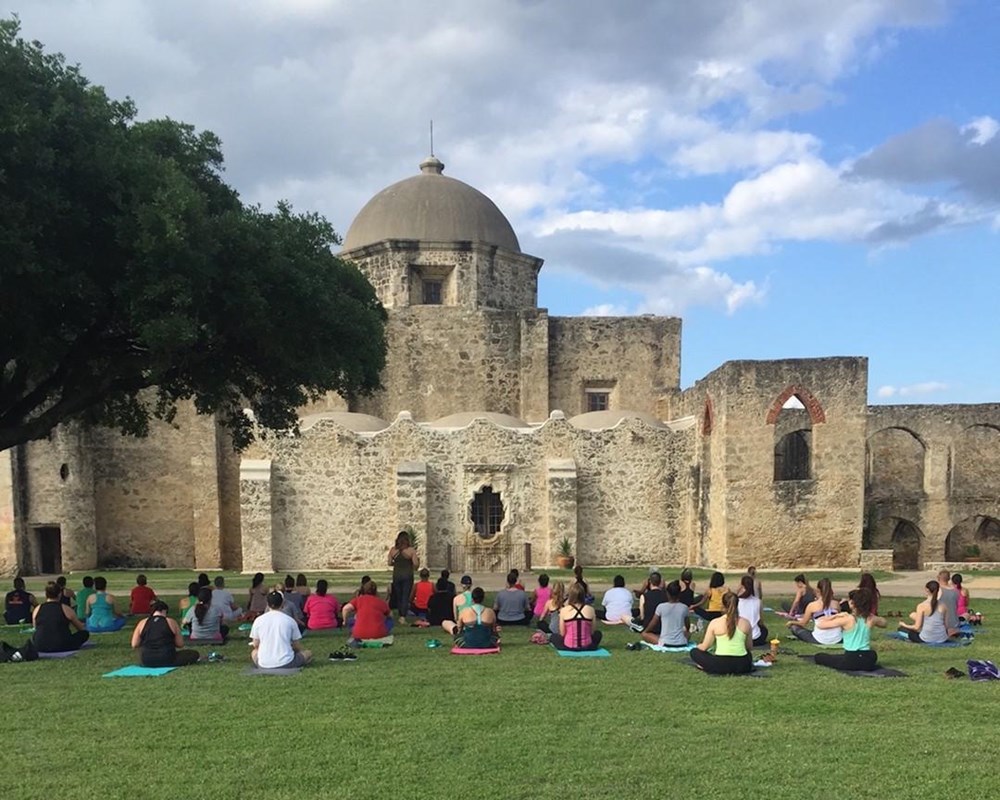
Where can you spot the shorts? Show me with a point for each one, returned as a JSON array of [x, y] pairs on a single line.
[[298, 660]]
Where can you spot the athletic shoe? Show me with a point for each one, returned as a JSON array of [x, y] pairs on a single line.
[[635, 626]]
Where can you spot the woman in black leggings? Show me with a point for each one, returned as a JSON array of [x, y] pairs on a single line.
[[732, 639], [858, 655]]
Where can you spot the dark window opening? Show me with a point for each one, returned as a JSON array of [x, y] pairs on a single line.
[[49, 550], [487, 512], [432, 293], [791, 457], [598, 401]]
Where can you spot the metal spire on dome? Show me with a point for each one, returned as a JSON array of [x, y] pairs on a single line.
[[431, 165]]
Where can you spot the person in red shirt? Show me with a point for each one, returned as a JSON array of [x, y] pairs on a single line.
[[420, 596], [369, 614], [142, 597]]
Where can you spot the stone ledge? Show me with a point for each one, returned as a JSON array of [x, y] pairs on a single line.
[[961, 566]]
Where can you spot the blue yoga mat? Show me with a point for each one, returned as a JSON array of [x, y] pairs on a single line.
[[601, 653], [139, 672], [899, 635]]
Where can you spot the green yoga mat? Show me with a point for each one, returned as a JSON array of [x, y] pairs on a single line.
[[139, 672]]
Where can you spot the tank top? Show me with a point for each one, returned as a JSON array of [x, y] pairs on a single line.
[[827, 635], [51, 629], [735, 645], [715, 600], [578, 629], [963, 604], [478, 635], [100, 611], [402, 567], [156, 643], [857, 638], [542, 596], [933, 629]]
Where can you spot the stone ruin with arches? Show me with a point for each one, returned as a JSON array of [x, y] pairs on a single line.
[[502, 432]]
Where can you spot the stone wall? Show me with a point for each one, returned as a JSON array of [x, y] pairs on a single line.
[[338, 497], [785, 524], [444, 360], [8, 541], [473, 275], [636, 358], [936, 468]]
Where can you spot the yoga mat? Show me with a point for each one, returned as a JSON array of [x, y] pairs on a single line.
[[902, 637], [754, 674], [660, 648], [878, 672], [139, 672], [474, 651], [283, 671], [599, 653], [67, 653]]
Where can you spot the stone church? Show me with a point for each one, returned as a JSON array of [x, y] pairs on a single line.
[[502, 433]]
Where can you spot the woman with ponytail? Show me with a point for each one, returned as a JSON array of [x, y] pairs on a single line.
[[205, 619], [732, 639], [856, 625], [928, 620], [825, 605]]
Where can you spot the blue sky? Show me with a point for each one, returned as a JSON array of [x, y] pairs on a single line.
[[794, 179]]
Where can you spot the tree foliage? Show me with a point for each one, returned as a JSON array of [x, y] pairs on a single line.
[[132, 277]]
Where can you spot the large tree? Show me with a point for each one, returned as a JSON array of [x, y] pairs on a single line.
[[132, 277]]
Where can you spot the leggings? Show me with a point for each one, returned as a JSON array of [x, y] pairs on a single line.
[[849, 661], [762, 638], [559, 644], [722, 665], [915, 637], [72, 641], [707, 615], [181, 659], [401, 595], [803, 634]]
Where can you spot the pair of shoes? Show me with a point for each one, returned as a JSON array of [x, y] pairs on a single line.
[[632, 646], [952, 673], [355, 643], [343, 654]]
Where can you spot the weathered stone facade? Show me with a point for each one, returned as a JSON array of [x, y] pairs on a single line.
[[501, 428]]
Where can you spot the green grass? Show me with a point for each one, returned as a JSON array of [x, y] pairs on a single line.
[[413, 722]]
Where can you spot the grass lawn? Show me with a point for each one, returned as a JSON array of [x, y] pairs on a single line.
[[412, 722]]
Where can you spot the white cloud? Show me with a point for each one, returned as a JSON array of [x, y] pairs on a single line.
[[605, 310], [912, 390], [982, 129], [727, 151]]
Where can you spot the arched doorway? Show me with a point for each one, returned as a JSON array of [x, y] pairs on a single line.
[[904, 539], [975, 538]]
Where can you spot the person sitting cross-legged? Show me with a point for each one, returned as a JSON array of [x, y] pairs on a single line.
[[101, 614], [205, 620], [856, 625], [511, 604], [617, 602], [159, 642], [476, 627], [53, 622], [276, 638], [731, 636], [576, 623], [367, 616], [669, 624]]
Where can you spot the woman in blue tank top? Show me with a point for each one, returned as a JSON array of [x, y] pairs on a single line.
[[856, 625]]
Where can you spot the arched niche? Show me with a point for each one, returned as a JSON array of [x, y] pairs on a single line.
[[975, 538], [976, 462], [896, 459], [905, 540]]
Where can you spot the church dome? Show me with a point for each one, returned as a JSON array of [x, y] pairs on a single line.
[[430, 207]]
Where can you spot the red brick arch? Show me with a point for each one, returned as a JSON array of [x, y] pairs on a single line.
[[816, 413]]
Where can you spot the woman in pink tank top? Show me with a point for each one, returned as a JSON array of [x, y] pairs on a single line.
[[576, 623]]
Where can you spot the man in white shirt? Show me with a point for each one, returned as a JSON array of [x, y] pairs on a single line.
[[617, 602], [222, 599], [276, 638]]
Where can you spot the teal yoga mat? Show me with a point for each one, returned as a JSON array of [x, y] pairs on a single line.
[[139, 672], [601, 653]]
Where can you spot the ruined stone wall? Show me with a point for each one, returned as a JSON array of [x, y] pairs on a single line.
[[443, 360], [57, 486], [789, 523], [637, 358], [8, 542], [338, 498], [936, 468]]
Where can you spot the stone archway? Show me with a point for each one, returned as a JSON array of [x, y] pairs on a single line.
[[904, 539], [975, 538]]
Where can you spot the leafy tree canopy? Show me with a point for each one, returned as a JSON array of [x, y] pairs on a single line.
[[132, 277]]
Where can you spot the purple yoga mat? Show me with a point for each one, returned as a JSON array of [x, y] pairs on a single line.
[[67, 653]]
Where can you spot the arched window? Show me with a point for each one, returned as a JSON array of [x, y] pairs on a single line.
[[487, 512], [791, 456]]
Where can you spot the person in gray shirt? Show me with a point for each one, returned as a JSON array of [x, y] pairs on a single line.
[[948, 597], [511, 604], [672, 619]]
